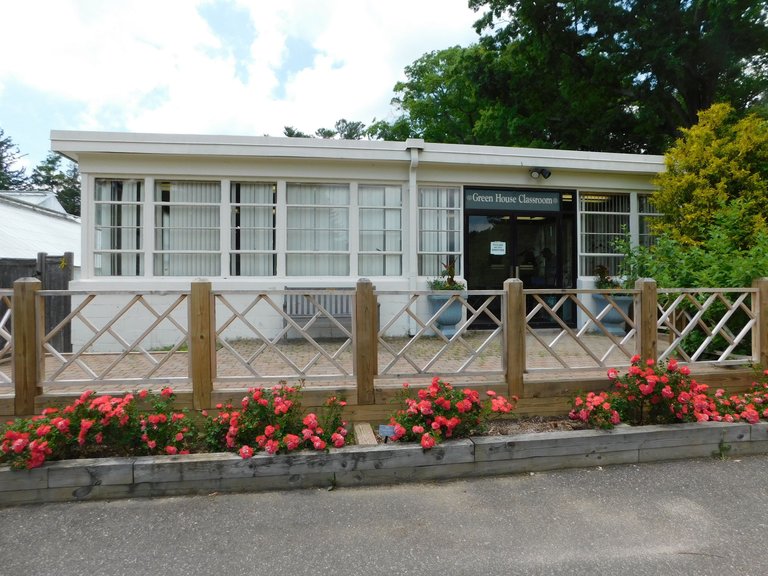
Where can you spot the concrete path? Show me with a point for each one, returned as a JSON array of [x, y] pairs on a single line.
[[703, 517]]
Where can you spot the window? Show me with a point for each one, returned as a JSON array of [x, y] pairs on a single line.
[[252, 224], [648, 213], [439, 229], [187, 228], [318, 230], [380, 231], [117, 242], [604, 218]]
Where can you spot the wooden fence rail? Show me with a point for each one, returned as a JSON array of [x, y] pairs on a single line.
[[647, 318]]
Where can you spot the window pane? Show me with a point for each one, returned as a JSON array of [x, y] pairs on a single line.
[[604, 219], [318, 228], [318, 194], [187, 192], [120, 264], [187, 228], [439, 229], [117, 227], [180, 264], [314, 264], [118, 190], [252, 264], [379, 265], [252, 222]]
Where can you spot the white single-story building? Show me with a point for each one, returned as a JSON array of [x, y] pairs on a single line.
[[160, 210], [277, 211]]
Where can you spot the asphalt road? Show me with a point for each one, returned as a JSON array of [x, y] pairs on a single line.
[[702, 517]]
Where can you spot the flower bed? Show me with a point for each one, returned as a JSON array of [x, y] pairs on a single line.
[[269, 444], [145, 476], [267, 419], [658, 393]]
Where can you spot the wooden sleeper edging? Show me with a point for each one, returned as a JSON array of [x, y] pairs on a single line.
[[146, 476]]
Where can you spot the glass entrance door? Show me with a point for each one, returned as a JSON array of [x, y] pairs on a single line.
[[533, 248]]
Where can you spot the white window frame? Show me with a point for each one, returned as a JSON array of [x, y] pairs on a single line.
[[166, 254], [386, 210], [315, 255], [232, 231], [117, 253], [444, 212]]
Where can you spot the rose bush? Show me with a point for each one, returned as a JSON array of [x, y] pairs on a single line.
[[659, 393], [270, 419], [102, 426], [99, 426], [441, 411]]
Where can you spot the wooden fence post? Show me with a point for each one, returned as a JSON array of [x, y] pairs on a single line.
[[27, 356], [514, 326], [760, 335], [646, 314], [202, 343], [366, 329]]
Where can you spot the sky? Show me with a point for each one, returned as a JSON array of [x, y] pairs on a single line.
[[233, 67]]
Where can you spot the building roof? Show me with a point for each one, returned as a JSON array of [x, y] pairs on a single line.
[[73, 144], [28, 229], [43, 198]]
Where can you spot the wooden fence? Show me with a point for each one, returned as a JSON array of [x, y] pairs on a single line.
[[54, 273], [659, 325]]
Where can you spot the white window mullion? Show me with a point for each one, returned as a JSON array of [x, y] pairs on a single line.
[[225, 228], [634, 219], [281, 224], [88, 239], [354, 230], [148, 226]]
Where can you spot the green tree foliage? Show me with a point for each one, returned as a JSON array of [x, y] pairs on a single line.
[[292, 132], [349, 130], [343, 129], [11, 176], [440, 96], [718, 170], [325, 133], [49, 175], [398, 130], [597, 75]]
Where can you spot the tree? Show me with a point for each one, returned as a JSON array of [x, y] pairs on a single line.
[[292, 132], [325, 133], [350, 130], [48, 175], [717, 169], [440, 95], [344, 129], [11, 177], [611, 76], [398, 130]]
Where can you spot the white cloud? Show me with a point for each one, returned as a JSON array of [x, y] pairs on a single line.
[[152, 66]]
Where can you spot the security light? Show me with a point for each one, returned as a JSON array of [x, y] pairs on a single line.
[[540, 172]]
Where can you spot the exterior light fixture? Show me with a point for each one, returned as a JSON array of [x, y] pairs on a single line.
[[540, 173]]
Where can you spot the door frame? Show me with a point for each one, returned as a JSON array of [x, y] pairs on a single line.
[[565, 209]]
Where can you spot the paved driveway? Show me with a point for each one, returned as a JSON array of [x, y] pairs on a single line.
[[703, 517]]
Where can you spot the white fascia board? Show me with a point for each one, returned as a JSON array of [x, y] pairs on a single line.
[[72, 144], [458, 154]]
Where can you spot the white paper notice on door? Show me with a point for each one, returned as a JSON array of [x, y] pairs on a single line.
[[498, 248]]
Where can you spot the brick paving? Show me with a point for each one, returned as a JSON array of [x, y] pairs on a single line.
[[330, 362]]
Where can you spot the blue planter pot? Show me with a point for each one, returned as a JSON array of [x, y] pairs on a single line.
[[450, 316], [614, 322]]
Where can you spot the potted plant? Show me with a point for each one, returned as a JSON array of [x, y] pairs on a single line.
[[450, 315], [613, 321]]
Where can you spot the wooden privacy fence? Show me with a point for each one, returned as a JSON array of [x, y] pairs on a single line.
[[534, 344]]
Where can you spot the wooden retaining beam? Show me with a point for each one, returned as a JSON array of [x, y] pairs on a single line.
[[147, 476]]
